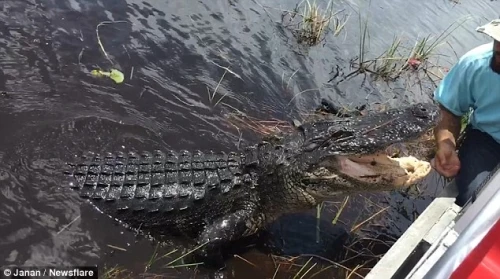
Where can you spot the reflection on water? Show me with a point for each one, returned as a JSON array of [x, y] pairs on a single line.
[[174, 56]]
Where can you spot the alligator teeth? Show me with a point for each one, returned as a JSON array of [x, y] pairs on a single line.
[[321, 173]]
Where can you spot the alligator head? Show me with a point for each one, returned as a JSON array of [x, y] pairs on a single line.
[[350, 154]]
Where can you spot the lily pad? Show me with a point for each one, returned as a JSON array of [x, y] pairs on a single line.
[[114, 74]]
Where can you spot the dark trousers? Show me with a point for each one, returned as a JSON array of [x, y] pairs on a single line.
[[479, 154]]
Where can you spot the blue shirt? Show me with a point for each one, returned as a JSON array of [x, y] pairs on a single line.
[[472, 84]]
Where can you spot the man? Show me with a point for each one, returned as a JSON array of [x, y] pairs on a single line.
[[472, 83]]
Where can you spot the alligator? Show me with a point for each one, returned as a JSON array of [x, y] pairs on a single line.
[[217, 198]]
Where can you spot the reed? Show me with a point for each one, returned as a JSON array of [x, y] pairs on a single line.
[[116, 272], [311, 22], [393, 61]]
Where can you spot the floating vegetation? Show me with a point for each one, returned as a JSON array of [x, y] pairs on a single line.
[[114, 74]]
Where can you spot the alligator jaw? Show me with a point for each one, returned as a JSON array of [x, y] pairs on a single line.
[[380, 169], [370, 172]]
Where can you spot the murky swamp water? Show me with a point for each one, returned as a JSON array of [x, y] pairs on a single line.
[[173, 55]]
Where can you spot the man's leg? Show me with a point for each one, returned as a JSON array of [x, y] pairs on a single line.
[[479, 154]]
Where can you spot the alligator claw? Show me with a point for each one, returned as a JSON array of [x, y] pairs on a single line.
[[220, 233]]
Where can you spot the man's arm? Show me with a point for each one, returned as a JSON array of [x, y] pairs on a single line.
[[454, 97], [448, 127]]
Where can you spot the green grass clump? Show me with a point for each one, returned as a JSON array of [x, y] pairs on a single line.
[[395, 60], [315, 22]]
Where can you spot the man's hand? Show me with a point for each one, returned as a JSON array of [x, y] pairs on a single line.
[[446, 132], [446, 161]]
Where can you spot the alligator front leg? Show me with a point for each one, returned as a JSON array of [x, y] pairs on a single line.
[[220, 233]]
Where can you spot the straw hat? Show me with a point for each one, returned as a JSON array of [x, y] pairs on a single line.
[[491, 29]]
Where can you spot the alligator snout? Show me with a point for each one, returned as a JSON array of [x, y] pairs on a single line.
[[426, 111]]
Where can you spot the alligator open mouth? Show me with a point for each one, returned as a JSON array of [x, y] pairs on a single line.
[[381, 168], [380, 171]]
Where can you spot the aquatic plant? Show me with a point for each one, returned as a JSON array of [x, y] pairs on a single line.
[[364, 34], [388, 60], [116, 272], [426, 47], [394, 60], [114, 74], [315, 22], [226, 70]]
